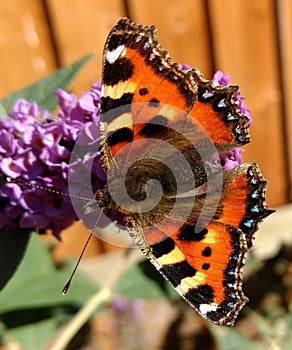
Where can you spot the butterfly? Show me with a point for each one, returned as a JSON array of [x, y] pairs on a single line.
[[163, 128]]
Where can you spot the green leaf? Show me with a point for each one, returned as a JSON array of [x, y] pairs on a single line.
[[34, 336], [143, 281], [286, 333], [42, 92], [38, 284], [230, 339], [288, 343], [3, 113], [13, 244]]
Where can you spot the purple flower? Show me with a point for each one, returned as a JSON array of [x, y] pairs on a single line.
[[133, 307], [128, 315], [120, 304], [185, 66], [7, 145], [223, 80], [231, 159], [242, 108], [36, 149], [66, 102]]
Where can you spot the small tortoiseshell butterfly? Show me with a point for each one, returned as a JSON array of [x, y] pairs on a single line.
[[163, 128]]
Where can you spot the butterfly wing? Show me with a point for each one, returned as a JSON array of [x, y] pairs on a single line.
[[205, 264], [243, 202], [144, 91], [134, 65], [200, 267], [216, 109], [149, 102]]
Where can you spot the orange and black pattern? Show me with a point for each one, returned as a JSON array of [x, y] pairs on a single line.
[[147, 95]]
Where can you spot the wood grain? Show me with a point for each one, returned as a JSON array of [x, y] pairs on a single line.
[[81, 27], [25, 44], [245, 46], [182, 29], [284, 12]]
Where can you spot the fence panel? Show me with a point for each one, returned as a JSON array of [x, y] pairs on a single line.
[[250, 40]]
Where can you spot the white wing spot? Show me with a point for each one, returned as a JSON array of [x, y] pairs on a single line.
[[112, 56], [204, 308]]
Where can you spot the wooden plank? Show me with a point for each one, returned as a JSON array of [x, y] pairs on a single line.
[[182, 29], [284, 12], [25, 44], [245, 45], [81, 27]]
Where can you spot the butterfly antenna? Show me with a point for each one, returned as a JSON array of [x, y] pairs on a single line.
[[67, 285], [47, 189]]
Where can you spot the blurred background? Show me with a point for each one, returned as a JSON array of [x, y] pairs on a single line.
[[250, 40]]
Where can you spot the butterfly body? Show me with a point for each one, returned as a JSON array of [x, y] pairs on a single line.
[[163, 127]]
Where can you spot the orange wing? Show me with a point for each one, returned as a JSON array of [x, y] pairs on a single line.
[[146, 94], [243, 203], [205, 264], [217, 111]]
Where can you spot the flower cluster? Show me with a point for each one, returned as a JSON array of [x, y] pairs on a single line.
[[128, 316], [35, 149]]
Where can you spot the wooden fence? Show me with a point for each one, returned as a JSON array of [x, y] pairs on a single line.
[[250, 40]]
